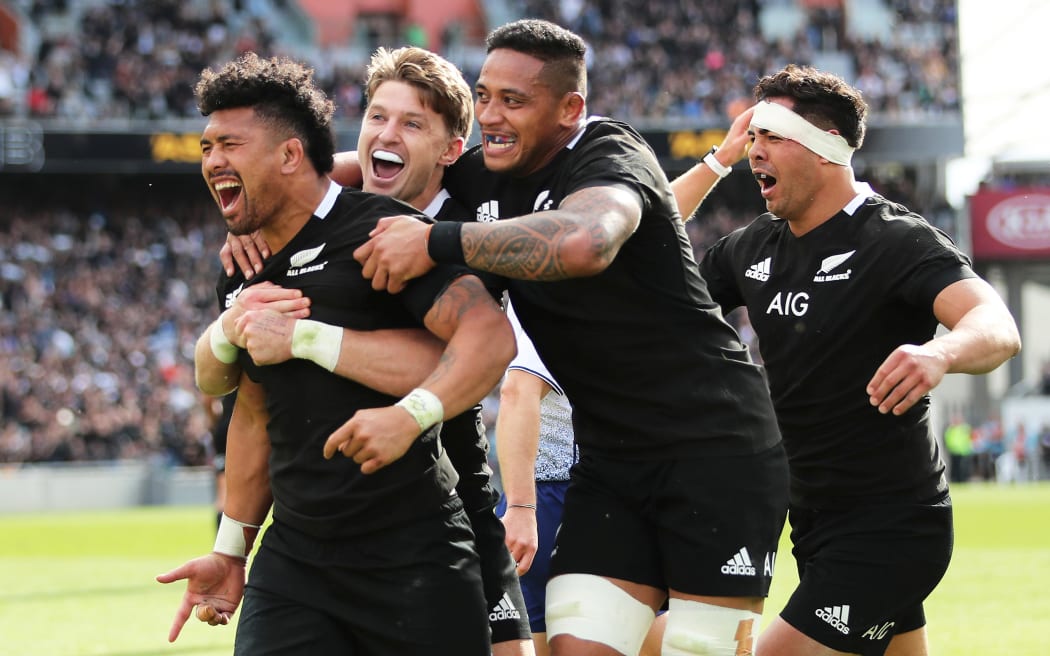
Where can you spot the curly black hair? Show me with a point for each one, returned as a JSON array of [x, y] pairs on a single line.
[[562, 52], [281, 91]]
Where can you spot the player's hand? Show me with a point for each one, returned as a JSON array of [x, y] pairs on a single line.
[[263, 296], [907, 375], [245, 252], [737, 140], [522, 536], [374, 438], [395, 254], [214, 584], [267, 335]]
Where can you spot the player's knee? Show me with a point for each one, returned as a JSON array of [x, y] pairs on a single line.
[[698, 629], [591, 608]]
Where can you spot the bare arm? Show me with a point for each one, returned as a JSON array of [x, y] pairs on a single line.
[[981, 335], [580, 238], [518, 439], [346, 170], [480, 345], [248, 496], [692, 187], [393, 361]]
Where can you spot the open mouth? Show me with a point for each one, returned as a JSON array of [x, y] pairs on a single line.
[[499, 142], [766, 182], [386, 164], [229, 191]]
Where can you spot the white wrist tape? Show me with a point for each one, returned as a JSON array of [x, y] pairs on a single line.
[[221, 348], [424, 406], [317, 342], [718, 168], [234, 538]]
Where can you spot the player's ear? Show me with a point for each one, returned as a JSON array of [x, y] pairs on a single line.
[[452, 152], [292, 154], [573, 107]]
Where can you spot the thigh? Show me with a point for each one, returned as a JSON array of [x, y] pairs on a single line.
[[604, 530], [864, 572], [721, 519]]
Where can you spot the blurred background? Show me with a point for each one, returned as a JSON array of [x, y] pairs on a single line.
[[109, 239]]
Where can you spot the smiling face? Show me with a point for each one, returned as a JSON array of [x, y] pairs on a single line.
[[239, 154], [523, 122], [404, 146]]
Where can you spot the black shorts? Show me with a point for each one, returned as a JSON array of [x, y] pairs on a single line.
[[466, 444], [702, 526], [864, 572], [414, 590]]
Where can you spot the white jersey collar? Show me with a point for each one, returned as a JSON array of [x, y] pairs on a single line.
[[864, 192], [328, 201]]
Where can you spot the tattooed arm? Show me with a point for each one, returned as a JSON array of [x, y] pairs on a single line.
[[480, 345], [580, 238]]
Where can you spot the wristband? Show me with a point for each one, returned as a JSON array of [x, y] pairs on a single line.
[[424, 406], [223, 350], [317, 342], [445, 242], [720, 169], [234, 538], [522, 505]]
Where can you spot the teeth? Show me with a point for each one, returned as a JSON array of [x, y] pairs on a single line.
[[226, 185], [496, 140], [387, 156]]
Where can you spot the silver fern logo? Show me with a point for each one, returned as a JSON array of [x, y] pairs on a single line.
[[830, 264], [302, 258]]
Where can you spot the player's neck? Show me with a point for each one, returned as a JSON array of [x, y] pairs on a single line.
[[296, 208]]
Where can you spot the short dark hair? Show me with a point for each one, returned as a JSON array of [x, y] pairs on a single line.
[[439, 83], [823, 99], [282, 92], [562, 52]]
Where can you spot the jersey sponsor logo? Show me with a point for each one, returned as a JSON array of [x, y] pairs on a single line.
[[830, 264], [740, 564], [488, 212], [836, 616], [771, 560], [877, 632], [794, 304], [298, 261], [504, 610], [543, 201], [760, 270], [232, 296]]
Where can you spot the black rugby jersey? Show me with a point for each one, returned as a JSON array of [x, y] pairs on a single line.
[[306, 403], [649, 365], [828, 308]]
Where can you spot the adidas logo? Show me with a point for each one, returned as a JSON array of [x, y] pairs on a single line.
[[488, 211], [504, 610], [760, 270], [739, 564], [836, 616]]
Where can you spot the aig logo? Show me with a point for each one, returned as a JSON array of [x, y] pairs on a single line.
[[789, 304]]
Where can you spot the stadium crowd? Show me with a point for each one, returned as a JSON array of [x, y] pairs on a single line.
[[669, 61], [100, 306]]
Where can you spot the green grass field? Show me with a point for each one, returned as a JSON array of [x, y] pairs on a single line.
[[82, 584]]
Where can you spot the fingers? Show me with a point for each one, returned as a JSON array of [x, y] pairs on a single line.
[[525, 562], [341, 439], [181, 615], [209, 614]]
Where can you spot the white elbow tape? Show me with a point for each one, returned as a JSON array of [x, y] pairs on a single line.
[[591, 608], [424, 406], [224, 351], [234, 538], [695, 628], [317, 342]]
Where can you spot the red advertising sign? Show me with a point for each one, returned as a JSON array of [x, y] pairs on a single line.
[[1012, 224]]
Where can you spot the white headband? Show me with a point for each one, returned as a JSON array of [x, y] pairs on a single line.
[[781, 120]]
